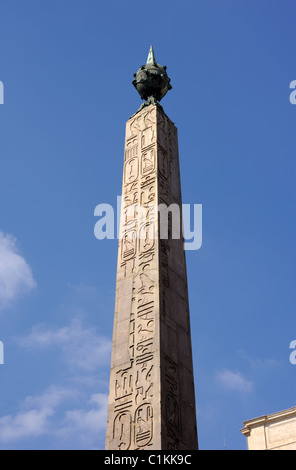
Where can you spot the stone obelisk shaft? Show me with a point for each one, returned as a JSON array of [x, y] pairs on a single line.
[[151, 396]]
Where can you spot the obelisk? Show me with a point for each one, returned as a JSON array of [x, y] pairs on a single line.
[[151, 395]]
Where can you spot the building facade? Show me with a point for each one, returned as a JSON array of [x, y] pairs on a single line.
[[276, 431]]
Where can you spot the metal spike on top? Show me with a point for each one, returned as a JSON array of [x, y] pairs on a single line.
[[151, 57]]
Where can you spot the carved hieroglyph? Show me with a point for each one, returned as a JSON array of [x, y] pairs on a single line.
[[151, 396]]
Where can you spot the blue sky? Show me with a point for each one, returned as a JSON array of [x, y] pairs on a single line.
[[67, 68]]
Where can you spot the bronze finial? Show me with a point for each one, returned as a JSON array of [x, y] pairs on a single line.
[[151, 81]]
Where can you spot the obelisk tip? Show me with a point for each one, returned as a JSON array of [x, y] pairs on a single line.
[[151, 57]]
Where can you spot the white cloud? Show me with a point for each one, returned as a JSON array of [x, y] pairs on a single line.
[[90, 419], [80, 421], [85, 424], [50, 414], [234, 381], [267, 363], [15, 273], [24, 424], [33, 418], [81, 347]]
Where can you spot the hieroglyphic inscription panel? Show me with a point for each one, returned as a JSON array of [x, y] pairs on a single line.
[[134, 399], [145, 395]]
